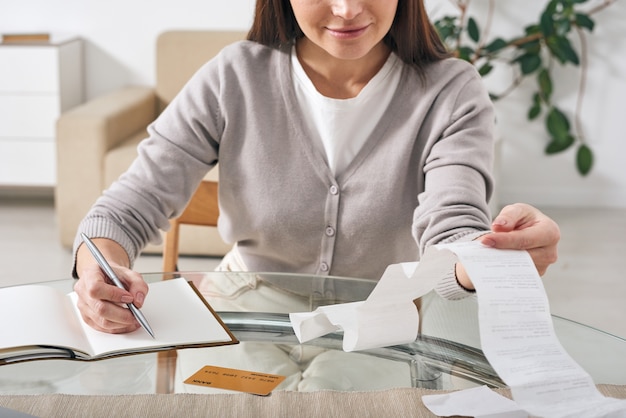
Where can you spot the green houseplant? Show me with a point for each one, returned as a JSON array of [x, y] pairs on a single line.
[[532, 53]]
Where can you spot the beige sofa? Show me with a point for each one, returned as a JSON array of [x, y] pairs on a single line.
[[97, 141]]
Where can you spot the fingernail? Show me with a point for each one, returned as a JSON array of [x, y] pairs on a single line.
[[499, 222], [488, 242], [140, 298]]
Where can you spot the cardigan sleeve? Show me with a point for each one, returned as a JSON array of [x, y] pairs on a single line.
[[457, 171], [449, 287], [180, 148]]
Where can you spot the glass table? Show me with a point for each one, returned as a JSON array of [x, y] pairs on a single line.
[[255, 306]]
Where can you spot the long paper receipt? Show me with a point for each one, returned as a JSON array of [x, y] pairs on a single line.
[[516, 330], [518, 338]]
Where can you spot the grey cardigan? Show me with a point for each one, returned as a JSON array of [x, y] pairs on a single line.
[[423, 176]]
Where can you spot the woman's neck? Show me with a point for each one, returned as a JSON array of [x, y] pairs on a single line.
[[338, 78]]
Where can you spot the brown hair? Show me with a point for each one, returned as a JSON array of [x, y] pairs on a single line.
[[412, 36]]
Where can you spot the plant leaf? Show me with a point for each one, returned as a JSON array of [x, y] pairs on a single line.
[[529, 63], [465, 53], [447, 27], [560, 144], [557, 124], [534, 112], [485, 69], [472, 30], [547, 24], [562, 26], [532, 29], [532, 47], [562, 49], [552, 6], [584, 159], [545, 84], [496, 45], [584, 21]]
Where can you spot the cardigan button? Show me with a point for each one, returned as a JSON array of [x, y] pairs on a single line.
[[324, 267], [334, 189]]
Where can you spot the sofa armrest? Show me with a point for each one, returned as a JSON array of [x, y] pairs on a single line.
[[84, 135]]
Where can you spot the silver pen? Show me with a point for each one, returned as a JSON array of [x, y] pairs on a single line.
[[104, 265]]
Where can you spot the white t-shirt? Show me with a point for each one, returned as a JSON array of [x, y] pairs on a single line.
[[344, 125]]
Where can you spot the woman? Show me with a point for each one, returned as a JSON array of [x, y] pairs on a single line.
[[347, 141]]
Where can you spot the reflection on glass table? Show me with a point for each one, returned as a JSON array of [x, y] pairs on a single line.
[[255, 306]]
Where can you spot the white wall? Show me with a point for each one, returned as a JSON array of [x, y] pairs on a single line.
[[120, 35], [119, 47], [526, 173]]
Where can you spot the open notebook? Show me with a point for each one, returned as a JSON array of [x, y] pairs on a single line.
[[39, 322]]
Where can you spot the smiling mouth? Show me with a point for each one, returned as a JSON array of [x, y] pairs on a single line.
[[347, 33]]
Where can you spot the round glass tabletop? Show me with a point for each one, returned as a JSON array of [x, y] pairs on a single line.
[[255, 306]]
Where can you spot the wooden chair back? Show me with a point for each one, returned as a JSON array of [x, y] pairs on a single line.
[[202, 209]]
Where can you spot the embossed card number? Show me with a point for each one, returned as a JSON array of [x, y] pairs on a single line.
[[234, 379]]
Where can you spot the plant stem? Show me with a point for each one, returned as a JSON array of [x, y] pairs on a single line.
[[463, 6], [486, 30], [582, 86], [488, 23], [605, 4], [514, 84]]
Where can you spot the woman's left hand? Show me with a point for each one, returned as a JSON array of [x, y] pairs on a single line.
[[521, 227], [524, 227]]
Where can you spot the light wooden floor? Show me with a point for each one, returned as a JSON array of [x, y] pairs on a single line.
[[587, 284]]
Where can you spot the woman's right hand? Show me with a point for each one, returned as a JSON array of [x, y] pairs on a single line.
[[102, 304]]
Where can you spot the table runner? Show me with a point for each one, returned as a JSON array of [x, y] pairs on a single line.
[[394, 402]]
